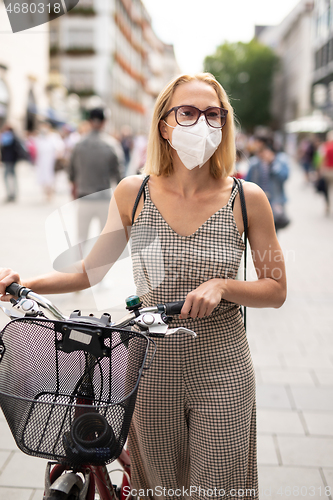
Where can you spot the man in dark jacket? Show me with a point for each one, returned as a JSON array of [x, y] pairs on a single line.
[[94, 166], [9, 148], [270, 170]]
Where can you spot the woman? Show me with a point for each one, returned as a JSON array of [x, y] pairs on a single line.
[[194, 423], [49, 147]]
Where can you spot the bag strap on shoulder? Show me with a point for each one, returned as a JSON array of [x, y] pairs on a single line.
[[245, 222], [136, 203], [243, 206]]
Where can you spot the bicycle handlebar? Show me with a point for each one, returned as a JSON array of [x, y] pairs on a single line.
[[21, 291], [17, 290], [173, 308], [170, 308]]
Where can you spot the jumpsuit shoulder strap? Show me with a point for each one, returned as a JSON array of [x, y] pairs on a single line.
[[141, 190], [239, 184], [245, 222], [233, 195]]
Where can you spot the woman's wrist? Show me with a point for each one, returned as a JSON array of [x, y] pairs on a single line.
[[222, 286]]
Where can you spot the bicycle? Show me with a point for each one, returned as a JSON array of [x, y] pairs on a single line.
[[68, 387]]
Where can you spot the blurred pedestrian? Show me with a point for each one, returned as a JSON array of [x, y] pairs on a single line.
[[94, 167], [241, 164], [49, 147], [84, 128], [139, 155], [306, 154], [118, 149], [126, 139], [11, 150], [324, 180], [70, 138], [30, 144], [270, 170]]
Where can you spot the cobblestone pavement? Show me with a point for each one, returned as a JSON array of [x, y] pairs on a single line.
[[292, 347]]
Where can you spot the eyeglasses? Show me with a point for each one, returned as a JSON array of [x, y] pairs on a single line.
[[189, 115]]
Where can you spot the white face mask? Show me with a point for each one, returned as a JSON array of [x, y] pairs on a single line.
[[195, 144]]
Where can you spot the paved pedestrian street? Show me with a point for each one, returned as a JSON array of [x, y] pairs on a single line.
[[292, 347]]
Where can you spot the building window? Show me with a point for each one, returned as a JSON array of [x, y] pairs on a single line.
[[325, 55], [329, 14], [81, 82], [330, 50], [319, 94], [330, 92], [54, 36], [318, 59], [80, 38]]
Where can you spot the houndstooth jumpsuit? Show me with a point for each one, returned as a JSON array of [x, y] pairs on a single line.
[[194, 424]]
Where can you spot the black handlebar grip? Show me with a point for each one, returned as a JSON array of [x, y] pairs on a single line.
[[173, 308], [16, 290]]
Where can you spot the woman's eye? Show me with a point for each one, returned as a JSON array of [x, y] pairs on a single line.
[[186, 113]]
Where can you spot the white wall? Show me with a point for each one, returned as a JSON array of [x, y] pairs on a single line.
[[26, 55]]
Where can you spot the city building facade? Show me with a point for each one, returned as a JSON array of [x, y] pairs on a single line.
[[105, 52], [292, 41], [323, 56], [24, 72]]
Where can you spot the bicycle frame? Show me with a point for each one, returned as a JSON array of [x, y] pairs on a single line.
[[97, 477], [103, 483]]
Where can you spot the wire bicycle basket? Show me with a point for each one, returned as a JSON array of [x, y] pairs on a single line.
[[68, 389]]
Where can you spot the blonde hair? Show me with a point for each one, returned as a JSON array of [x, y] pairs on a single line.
[[159, 157]]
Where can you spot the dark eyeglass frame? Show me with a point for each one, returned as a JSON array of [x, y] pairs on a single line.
[[224, 113]]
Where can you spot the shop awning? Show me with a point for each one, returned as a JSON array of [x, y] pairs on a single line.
[[316, 123]]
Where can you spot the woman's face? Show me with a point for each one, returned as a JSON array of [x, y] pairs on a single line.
[[195, 93]]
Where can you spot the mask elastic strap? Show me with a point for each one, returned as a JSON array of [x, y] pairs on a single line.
[[171, 145], [168, 139], [168, 124]]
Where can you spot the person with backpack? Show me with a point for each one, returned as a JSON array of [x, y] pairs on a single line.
[[11, 150]]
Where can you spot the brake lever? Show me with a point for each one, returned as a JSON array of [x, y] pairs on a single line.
[[181, 330], [156, 324], [21, 308], [13, 314]]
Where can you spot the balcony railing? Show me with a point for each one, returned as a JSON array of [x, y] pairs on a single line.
[[83, 9], [81, 92], [129, 69], [79, 51], [54, 50], [130, 103]]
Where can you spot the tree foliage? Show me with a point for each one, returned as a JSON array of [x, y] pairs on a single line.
[[245, 70]]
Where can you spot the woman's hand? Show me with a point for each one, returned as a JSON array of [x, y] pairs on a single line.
[[7, 277], [201, 301]]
